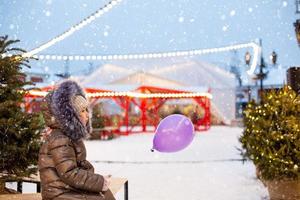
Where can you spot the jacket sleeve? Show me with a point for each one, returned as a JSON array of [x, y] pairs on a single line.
[[64, 158], [87, 165]]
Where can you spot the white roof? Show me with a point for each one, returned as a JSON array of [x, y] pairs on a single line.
[[147, 79], [198, 73], [105, 74], [185, 71], [183, 74]]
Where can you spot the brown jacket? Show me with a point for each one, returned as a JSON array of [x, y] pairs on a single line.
[[65, 173]]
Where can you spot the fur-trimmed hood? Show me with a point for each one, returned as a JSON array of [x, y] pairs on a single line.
[[64, 112]]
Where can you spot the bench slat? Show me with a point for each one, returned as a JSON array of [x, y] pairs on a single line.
[[35, 196], [115, 186]]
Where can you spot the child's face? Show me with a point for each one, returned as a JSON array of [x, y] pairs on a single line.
[[84, 116]]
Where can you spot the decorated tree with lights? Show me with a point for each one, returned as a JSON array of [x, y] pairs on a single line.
[[271, 138], [97, 118], [19, 131]]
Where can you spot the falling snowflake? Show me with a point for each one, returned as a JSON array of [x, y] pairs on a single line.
[[11, 26], [105, 33], [86, 44], [250, 9], [49, 2], [47, 13], [284, 4], [232, 13], [223, 17], [46, 69], [181, 19], [171, 40], [225, 28]]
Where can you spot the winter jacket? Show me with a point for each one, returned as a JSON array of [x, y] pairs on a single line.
[[64, 171]]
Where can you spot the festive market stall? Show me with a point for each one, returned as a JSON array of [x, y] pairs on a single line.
[[147, 99]]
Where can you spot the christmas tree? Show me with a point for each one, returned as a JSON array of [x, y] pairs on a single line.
[[19, 131], [97, 118], [271, 138]]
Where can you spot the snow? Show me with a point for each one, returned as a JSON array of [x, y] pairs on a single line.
[[181, 19], [225, 28], [232, 13], [105, 33], [284, 4], [210, 168], [47, 13]]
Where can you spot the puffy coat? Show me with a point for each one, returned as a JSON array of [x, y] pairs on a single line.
[[64, 171]]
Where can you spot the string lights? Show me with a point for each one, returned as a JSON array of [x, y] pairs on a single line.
[[133, 94], [256, 51], [34, 53], [74, 28]]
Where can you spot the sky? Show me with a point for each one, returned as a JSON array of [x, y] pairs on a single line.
[[140, 26]]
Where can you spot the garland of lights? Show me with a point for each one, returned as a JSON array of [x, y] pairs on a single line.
[[256, 51], [134, 94], [73, 29], [33, 53]]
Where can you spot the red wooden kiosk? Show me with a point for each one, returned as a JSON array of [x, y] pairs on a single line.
[[148, 99]]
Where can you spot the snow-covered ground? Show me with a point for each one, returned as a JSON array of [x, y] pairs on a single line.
[[208, 169]]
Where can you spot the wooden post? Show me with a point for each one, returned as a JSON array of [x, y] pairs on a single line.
[[19, 186], [38, 187], [2, 186], [126, 190]]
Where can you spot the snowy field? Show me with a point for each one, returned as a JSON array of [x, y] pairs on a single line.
[[209, 169]]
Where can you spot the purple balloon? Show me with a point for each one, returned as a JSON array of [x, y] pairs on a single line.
[[174, 133]]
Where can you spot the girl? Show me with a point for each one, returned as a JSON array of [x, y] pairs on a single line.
[[64, 171]]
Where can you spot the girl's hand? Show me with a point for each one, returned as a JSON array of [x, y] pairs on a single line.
[[106, 183]]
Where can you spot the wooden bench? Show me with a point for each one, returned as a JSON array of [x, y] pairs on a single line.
[[32, 179], [115, 186]]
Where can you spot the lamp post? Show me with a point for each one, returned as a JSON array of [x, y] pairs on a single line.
[[297, 23], [247, 58], [261, 75], [273, 58]]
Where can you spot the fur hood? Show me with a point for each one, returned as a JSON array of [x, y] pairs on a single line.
[[65, 113]]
